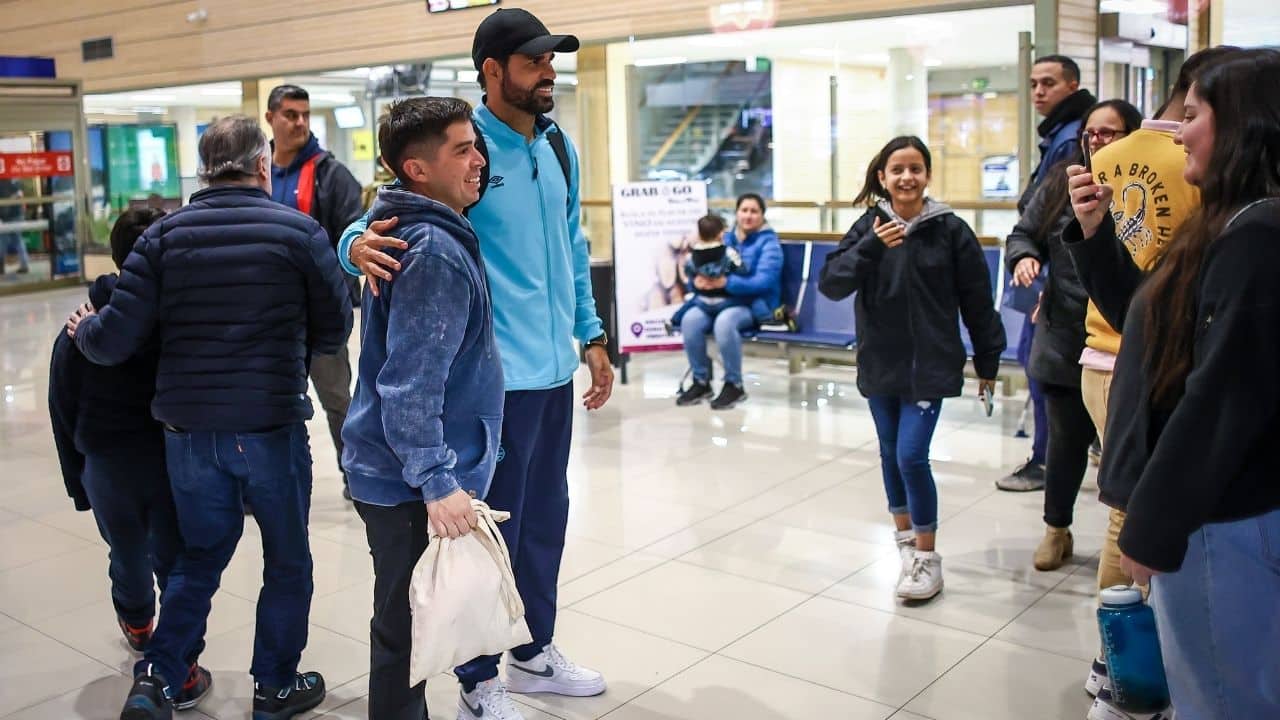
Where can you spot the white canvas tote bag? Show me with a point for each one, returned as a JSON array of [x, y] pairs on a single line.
[[464, 599]]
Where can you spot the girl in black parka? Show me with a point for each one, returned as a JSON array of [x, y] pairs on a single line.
[[917, 269]]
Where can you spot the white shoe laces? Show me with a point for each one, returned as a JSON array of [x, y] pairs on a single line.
[[496, 701], [557, 659], [920, 567]]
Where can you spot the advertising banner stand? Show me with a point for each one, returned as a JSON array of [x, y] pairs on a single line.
[[653, 226]]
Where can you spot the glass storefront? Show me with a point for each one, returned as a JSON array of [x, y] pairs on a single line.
[[793, 113], [43, 184], [797, 113]]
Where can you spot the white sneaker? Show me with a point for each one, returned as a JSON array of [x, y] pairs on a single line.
[[906, 541], [1098, 678], [1103, 709], [924, 581], [552, 672], [488, 701]]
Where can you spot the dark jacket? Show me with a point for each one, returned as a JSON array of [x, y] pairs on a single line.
[[337, 199], [241, 292], [99, 410], [1211, 457], [909, 303], [1058, 132], [1060, 331], [426, 416]]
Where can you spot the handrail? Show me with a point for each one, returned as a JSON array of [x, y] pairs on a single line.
[[674, 137], [828, 204], [825, 237]]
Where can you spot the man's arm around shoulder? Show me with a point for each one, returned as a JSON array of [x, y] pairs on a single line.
[[328, 303]]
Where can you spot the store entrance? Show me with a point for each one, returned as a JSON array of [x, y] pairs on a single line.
[[43, 184]]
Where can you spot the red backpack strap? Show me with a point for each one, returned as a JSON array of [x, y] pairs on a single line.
[[307, 184]]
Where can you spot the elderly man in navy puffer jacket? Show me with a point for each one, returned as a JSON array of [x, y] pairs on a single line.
[[240, 292]]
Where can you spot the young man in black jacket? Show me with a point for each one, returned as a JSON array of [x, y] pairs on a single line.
[[111, 451], [241, 293], [309, 179], [1058, 98]]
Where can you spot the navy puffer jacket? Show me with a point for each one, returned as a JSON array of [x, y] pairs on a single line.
[[240, 291]]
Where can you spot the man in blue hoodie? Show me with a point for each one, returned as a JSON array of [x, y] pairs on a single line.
[[539, 273], [307, 178], [427, 413]]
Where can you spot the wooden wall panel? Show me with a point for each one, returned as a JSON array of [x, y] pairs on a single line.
[[1078, 37], [155, 45]]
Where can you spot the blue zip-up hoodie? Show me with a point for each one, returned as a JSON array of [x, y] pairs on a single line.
[[426, 416], [284, 180], [535, 254]]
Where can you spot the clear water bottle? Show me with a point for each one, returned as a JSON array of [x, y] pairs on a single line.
[[1132, 647]]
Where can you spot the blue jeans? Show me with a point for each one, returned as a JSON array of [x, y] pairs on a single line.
[[727, 324], [133, 508], [905, 429], [1039, 407], [212, 475], [1219, 623], [14, 243], [531, 482]]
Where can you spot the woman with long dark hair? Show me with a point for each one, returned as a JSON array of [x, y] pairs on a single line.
[[1196, 396], [916, 268], [1060, 331]]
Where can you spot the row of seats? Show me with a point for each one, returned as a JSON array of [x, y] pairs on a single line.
[[825, 323]]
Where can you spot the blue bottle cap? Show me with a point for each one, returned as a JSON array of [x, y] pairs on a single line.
[[1121, 595]]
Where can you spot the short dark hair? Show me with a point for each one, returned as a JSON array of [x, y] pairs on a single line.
[[128, 228], [711, 226], [280, 93], [751, 196], [503, 60], [419, 121], [1070, 70]]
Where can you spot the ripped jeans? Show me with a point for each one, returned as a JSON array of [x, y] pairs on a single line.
[[905, 429]]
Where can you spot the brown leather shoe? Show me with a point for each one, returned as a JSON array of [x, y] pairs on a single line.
[[1054, 549]]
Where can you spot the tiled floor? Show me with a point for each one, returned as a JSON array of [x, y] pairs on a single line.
[[719, 565]]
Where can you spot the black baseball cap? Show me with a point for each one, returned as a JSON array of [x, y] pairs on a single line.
[[516, 30]]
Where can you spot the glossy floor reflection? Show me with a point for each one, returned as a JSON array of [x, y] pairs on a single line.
[[719, 565]]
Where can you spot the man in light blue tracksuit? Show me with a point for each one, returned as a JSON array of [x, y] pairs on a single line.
[[538, 268]]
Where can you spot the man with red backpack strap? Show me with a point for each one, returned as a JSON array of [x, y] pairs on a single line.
[[306, 177]]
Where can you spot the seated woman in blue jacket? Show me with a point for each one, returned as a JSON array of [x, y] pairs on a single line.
[[917, 270], [761, 255]]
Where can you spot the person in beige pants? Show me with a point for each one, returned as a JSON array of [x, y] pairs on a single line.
[[1095, 386]]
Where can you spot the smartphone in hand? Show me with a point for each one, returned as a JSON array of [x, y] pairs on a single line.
[[988, 402]]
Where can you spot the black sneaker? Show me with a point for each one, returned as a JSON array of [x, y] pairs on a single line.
[[730, 395], [306, 692], [694, 394], [1027, 478], [137, 637], [199, 683], [149, 699]]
